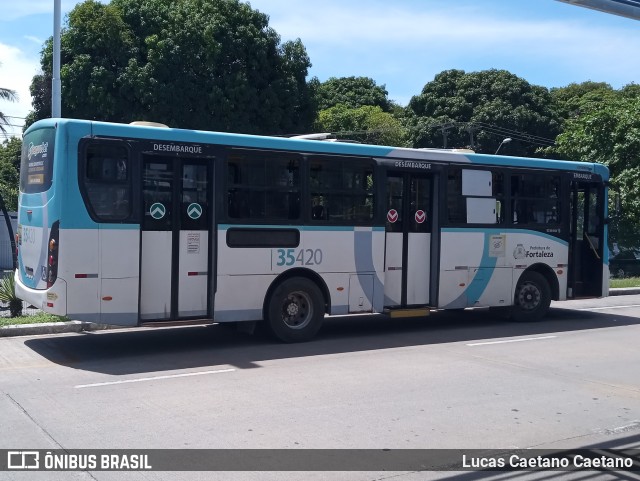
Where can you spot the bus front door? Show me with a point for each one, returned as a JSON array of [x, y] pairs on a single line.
[[408, 240], [175, 264], [586, 249]]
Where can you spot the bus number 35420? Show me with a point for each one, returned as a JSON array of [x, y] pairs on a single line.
[[302, 257]]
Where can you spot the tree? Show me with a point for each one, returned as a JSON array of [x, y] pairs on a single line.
[[571, 100], [10, 151], [367, 124], [10, 95], [214, 65], [608, 132], [352, 92], [482, 108]]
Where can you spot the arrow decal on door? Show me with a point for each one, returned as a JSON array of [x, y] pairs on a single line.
[[157, 210], [194, 211]]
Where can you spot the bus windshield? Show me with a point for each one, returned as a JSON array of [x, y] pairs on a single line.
[[36, 170]]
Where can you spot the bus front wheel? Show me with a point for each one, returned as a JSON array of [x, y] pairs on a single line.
[[532, 298], [295, 310]]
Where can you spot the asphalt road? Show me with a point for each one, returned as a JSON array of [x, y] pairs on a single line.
[[453, 380]]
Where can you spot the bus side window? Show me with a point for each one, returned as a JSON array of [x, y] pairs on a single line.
[[263, 186], [534, 198], [341, 190], [106, 181], [475, 196]]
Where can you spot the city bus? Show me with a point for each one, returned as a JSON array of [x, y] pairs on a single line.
[[145, 225]]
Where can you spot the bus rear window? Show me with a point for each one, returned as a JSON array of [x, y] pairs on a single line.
[[36, 169]]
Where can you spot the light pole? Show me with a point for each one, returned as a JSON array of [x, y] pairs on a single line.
[[505, 141], [55, 82]]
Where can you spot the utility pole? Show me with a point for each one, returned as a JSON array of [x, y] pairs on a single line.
[[445, 129], [56, 89], [471, 129]]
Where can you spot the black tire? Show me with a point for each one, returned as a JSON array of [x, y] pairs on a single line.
[[532, 298], [295, 310]]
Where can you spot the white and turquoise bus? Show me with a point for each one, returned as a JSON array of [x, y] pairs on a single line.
[[141, 225]]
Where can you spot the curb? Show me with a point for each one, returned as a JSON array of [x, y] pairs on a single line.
[[52, 328], [82, 326]]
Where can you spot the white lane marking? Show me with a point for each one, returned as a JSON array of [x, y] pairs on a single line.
[[606, 307], [155, 378], [510, 340]]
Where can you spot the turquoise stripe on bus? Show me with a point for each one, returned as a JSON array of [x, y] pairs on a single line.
[[78, 128], [480, 282], [365, 266]]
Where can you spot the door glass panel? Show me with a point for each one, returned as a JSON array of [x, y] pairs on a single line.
[[394, 203], [420, 199], [580, 224], [157, 181], [593, 216], [195, 206]]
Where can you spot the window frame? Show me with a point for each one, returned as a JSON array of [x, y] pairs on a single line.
[[462, 200], [310, 192], [83, 181], [507, 198], [266, 155]]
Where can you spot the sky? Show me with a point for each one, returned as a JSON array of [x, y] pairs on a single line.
[[401, 44]]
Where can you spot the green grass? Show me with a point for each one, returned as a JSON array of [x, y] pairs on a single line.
[[626, 282], [35, 319]]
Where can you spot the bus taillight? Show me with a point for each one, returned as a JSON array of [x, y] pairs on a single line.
[[52, 270]]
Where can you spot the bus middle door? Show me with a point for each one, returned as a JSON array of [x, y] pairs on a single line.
[[408, 240]]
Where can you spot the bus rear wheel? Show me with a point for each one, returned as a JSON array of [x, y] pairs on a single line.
[[532, 298], [295, 310]]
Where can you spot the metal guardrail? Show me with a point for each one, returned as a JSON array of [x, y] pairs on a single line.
[[27, 310]]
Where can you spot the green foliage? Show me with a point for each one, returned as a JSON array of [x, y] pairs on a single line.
[[9, 167], [626, 282], [352, 92], [8, 294], [608, 132], [367, 124], [491, 100], [10, 197], [39, 318], [214, 65], [573, 99]]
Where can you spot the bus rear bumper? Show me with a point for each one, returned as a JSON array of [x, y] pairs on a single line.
[[52, 300]]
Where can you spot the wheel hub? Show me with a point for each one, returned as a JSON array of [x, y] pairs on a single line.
[[529, 297], [297, 310], [293, 309]]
